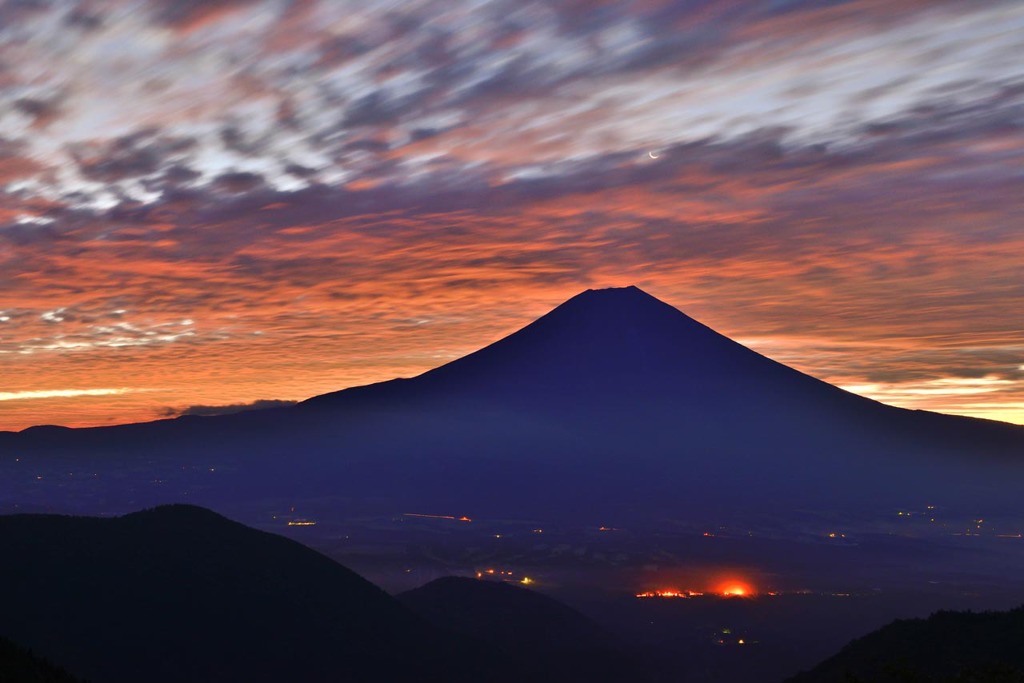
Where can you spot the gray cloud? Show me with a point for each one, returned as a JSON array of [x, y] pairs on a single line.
[[182, 13], [236, 182], [42, 111], [141, 153], [206, 411], [411, 76]]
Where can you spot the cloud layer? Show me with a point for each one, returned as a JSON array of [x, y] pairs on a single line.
[[215, 202]]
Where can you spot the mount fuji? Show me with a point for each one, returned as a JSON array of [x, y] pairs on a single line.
[[614, 401]]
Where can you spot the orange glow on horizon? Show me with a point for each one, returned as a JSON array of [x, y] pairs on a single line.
[[165, 359], [729, 586], [735, 588], [670, 593]]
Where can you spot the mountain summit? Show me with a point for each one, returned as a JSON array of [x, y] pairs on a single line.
[[617, 346]]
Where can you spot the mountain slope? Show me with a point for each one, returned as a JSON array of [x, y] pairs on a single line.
[[504, 614], [542, 638]]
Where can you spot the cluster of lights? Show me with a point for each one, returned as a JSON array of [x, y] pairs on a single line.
[[493, 572], [726, 638], [504, 574], [669, 594], [727, 590]]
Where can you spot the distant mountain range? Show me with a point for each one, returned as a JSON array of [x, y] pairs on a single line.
[[178, 594], [613, 402]]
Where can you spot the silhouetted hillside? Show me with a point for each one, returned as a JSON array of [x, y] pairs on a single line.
[[18, 665], [948, 647], [181, 594], [504, 613], [542, 638]]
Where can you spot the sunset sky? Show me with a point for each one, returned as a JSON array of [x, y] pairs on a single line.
[[211, 203]]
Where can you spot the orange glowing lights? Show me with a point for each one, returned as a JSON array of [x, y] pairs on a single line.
[[735, 588], [669, 594], [729, 586], [504, 575]]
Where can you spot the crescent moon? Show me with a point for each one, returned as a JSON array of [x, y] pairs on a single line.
[[652, 155]]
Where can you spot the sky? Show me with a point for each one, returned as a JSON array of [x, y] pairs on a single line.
[[211, 204]]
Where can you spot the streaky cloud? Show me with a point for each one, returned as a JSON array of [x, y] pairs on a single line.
[[60, 393]]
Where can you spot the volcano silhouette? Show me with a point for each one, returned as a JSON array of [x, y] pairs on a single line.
[[612, 401], [613, 346]]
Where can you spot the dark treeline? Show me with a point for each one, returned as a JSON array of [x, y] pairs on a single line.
[[18, 665], [948, 647]]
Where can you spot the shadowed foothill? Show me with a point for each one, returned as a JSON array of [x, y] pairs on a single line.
[[179, 593]]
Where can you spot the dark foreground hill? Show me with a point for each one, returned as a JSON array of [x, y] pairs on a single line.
[[18, 665], [546, 639], [505, 614], [947, 647], [180, 594]]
